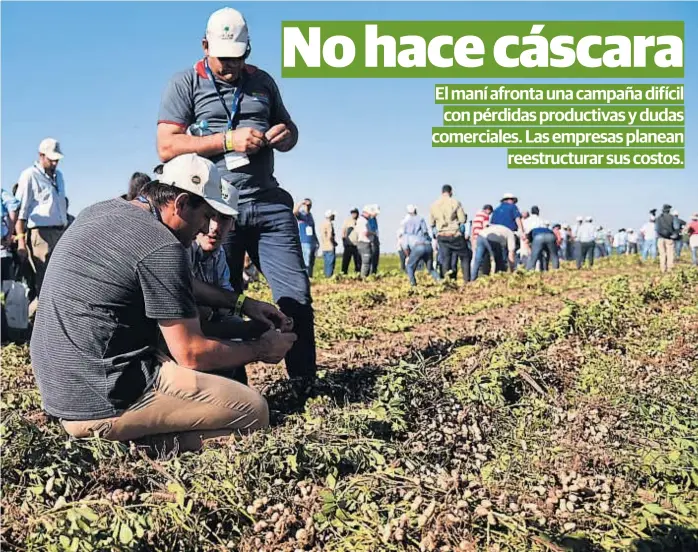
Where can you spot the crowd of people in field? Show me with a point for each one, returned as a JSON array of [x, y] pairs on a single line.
[[495, 239], [140, 326]]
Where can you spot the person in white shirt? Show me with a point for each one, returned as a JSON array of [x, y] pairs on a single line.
[[364, 239], [620, 242], [42, 216], [586, 236], [633, 238], [649, 237]]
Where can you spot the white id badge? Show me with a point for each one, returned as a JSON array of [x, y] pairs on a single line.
[[308, 230], [234, 160]]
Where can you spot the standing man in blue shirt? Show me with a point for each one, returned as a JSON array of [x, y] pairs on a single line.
[[233, 114], [42, 216], [375, 239], [307, 233]]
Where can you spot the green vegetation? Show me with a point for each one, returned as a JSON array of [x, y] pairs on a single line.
[[526, 412]]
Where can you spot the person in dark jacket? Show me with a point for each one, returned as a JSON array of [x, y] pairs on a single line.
[[667, 226]]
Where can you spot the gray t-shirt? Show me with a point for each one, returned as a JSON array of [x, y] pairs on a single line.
[[190, 97], [114, 273]]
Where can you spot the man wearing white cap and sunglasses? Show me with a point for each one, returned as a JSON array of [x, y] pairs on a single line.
[[328, 243], [42, 215], [232, 113], [103, 309]]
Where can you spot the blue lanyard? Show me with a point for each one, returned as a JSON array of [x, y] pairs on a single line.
[[153, 210], [237, 95]]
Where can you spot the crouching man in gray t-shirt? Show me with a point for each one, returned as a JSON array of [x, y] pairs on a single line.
[[94, 346]]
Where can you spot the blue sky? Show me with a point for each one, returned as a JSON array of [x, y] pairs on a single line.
[[91, 74]]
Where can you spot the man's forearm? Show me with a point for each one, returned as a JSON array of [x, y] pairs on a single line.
[[178, 144], [208, 355], [212, 296]]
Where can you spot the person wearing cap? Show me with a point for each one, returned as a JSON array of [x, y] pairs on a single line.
[[449, 218], [10, 207], [632, 242], [349, 241], [307, 233], [586, 238], [508, 214], [42, 215], [375, 238], [364, 238], [328, 243], [95, 346], [620, 242], [667, 227], [242, 121], [692, 231]]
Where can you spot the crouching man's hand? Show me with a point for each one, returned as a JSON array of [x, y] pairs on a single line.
[[267, 314], [274, 345]]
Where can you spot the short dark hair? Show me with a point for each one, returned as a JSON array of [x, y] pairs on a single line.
[[135, 184], [488, 207], [446, 189], [354, 210], [161, 194], [535, 210], [14, 188], [158, 168]]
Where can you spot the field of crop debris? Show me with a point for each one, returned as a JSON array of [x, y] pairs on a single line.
[[524, 412]]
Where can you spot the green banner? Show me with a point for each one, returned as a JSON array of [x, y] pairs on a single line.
[[557, 137], [595, 158], [477, 49], [568, 94], [529, 116]]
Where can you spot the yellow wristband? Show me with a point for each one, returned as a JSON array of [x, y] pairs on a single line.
[[238, 304], [19, 237], [229, 146]]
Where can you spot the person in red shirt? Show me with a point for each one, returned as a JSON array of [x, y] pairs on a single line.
[[480, 221], [692, 231]]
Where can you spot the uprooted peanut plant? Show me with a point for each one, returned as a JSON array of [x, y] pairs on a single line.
[[522, 412]]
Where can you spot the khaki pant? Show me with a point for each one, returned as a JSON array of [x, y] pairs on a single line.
[[666, 254], [183, 408], [41, 243]]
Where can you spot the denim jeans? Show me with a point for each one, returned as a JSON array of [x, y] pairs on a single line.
[[309, 251], [489, 250], [268, 231], [420, 254], [649, 249], [543, 243], [694, 255], [678, 246], [328, 258], [401, 255]]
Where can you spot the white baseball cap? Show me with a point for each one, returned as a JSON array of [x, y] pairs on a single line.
[[226, 33], [509, 196], [51, 149], [200, 176], [411, 209], [589, 219], [580, 219], [330, 213]]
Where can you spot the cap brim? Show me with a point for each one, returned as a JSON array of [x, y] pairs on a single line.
[[55, 156], [222, 207], [226, 48]]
